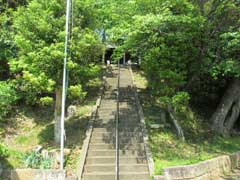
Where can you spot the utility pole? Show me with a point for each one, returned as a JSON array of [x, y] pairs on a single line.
[[64, 86]]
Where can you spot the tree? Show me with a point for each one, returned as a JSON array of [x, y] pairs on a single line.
[[218, 60], [185, 46], [40, 41], [6, 45], [226, 65]]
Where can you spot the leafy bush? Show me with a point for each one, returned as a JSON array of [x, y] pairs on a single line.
[[3, 151], [180, 101], [76, 94], [46, 101], [36, 160], [7, 98], [33, 87]]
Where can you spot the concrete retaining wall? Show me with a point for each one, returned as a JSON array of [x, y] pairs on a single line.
[[206, 170], [32, 174]]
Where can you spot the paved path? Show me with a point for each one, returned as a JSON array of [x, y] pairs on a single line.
[[100, 162]]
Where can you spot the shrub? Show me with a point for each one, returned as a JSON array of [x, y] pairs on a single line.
[[76, 94], [7, 98], [46, 101], [3, 151], [36, 160]]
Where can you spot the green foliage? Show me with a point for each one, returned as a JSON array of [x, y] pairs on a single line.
[[230, 65], [180, 101], [7, 45], [169, 151], [46, 136], [86, 46], [75, 93], [46, 101], [7, 98], [168, 42], [3, 151], [40, 40], [83, 74], [36, 160]]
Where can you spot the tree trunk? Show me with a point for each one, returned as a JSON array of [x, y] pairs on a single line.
[[227, 111], [233, 118], [176, 124], [57, 116]]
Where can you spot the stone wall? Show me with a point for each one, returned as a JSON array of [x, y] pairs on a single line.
[[206, 170], [32, 174]]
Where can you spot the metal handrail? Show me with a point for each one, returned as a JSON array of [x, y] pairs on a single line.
[[116, 128]]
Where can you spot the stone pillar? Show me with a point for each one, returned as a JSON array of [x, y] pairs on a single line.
[[139, 60], [124, 58], [103, 57]]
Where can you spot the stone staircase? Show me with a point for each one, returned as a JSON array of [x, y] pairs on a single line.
[[100, 161]]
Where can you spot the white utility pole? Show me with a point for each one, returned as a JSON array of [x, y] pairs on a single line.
[[64, 85]]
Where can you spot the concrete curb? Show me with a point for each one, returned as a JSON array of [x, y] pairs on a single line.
[[33, 174], [83, 154], [209, 169], [144, 129]]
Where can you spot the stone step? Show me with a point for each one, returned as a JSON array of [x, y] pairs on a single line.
[[105, 116], [111, 146], [104, 123], [110, 135], [107, 109], [129, 95], [111, 168], [106, 97], [122, 124], [102, 146], [111, 176], [106, 113], [110, 93], [128, 107], [113, 152], [127, 100], [123, 118], [121, 131], [112, 139], [129, 112], [106, 102], [94, 160], [130, 117], [104, 130], [122, 115]]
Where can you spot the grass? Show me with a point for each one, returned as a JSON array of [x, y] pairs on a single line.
[[33, 126], [28, 132], [167, 149]]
